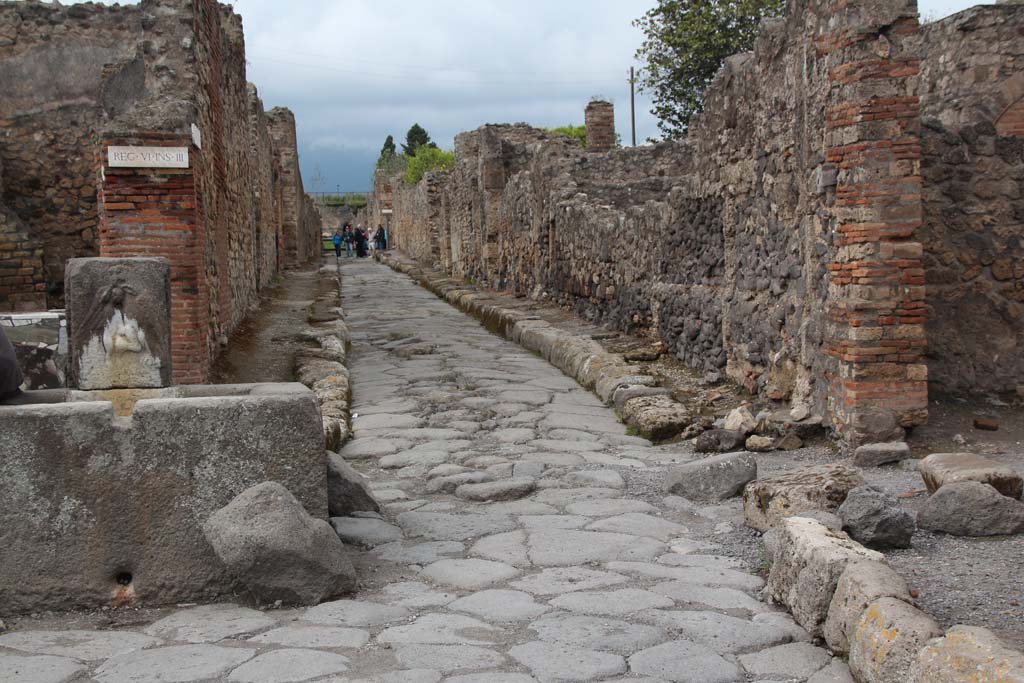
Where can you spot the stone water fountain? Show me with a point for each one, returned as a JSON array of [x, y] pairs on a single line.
[[106, 485]]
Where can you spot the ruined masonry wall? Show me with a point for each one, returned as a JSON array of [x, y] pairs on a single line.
[[756, 249], [972, 106], [145, 75]]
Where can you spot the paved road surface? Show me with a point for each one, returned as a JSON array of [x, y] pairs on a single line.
[[577, 569]]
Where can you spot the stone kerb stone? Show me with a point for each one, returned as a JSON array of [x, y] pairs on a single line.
[[99, 510], [119, 320]]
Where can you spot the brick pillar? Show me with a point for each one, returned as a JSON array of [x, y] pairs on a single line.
[[158, 212], [876, 302], [600, 121]]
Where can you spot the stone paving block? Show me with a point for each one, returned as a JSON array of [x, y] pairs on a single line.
[[442, 629], [508, 489], [77, 644], [416, 595], [187, 662], [354, 613], [613, 603], [607, 506], [471, 574], [289, 666], [500, 605], [210, 623], [491, 677], [327, 637], [366, 532], [565, 579], [448, 527], [555, 663], [875, 454], [723, 633], [565, 547], [447, 658], [786, 662], [695, 596], [417, 553], [598, 633], [509, 548], [38, 669], [640, 524], [682, 661], [697, 575], [600, 478]]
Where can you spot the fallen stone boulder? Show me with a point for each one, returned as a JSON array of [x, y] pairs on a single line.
[[970, 508], [939, 469], [860, 584], [347, 492], [808, 561], [718, 441], [740, 420], [766, 501], [760, 444], [788, 442], [656, 417], [712, 479], [268, 541], [876, 519], [967, 654], [886, 639], [875, 454], [623, 394]]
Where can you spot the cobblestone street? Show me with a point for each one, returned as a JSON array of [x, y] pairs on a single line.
[[524, 537]]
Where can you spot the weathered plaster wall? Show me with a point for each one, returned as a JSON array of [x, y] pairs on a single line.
[[775, 245], [972, 106], [300, 221]]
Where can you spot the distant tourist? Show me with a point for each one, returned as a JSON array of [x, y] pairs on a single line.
[[387, 238], [337, 240], [361, 242], [349, 238], [10, 374], [378, 239]]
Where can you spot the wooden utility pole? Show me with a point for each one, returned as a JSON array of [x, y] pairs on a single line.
[[632, 103]]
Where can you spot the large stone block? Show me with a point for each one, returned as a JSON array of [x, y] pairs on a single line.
[[859, 585], [886, 639], [939, 469], [716, 478], [99, 509], [967, 654], [271, 544], [807, 563], [766, 501], [970, 508], [119, 322]]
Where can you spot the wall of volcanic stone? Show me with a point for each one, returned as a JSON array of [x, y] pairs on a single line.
[[972, 107], [775, 245]]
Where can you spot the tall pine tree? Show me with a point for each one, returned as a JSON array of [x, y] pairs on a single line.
[[415, 138]]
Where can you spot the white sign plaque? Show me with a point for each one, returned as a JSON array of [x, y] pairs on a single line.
[[147, 157]]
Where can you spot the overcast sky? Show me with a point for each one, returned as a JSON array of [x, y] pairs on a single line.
[[355, 71]]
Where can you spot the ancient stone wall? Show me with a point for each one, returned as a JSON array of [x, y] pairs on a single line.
[[972, 107], [774, 246], [163, 73]]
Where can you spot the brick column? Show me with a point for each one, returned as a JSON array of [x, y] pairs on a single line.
[[876, 302], [158, 212], [599, 118]]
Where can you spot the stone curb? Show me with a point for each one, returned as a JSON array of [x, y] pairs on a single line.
[[322, 367], [578, 356], [839, 590]]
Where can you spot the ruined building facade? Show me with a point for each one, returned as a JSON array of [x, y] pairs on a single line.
[[166, 73], [843, 225]]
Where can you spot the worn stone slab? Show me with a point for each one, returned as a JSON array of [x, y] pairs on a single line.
[[440, 526], [600, 478], [509, 547], [713, 479], [565, 579], [492, 677], [416, 594], [470, 574], [609, 506], [418, 553], [447, 658], [77, 644], [682, 661], [38, 669], [442, 629], [613, 603], [860, 584], [449, 482], [354, 613], [696, 596], [210, 623], [640, 524], [427, 458], [786, 662], [555, 663], [939, 469], [365, 531], [187, 662], [598, 633], [565, 547], [289, 666], [500, 605], [723, 633], [875, 454], [507, 489], [327, 637], [710, 576], [886, 638]]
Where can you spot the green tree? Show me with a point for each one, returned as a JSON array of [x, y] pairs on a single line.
[[387, 152], [685, 43], [416, 137], [578, 133], [428, 158]]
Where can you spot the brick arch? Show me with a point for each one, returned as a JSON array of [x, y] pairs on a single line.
[[1008, 104], [1011, 122]]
